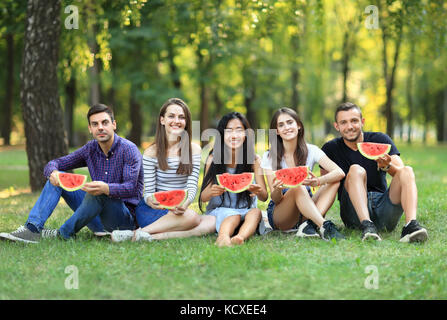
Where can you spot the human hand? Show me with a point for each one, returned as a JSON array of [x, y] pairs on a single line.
[[154, 204], [255, 189], [53, 178], [96, 188], [383, 161], [312, 180], [217, 190], [179, 210], [277, 184]]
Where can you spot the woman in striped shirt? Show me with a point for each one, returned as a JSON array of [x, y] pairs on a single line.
[[171, 162]]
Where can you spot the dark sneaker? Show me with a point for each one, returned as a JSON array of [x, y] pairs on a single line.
[[22, 234], [308, 229], [369, 231], [328, 231], [413, 233]]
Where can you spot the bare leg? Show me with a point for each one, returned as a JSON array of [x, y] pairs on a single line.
[[227, 229], [296, 200], [403, 190], [173, 222], [325, 196], [355, 185], [207, 225], [248, 227]]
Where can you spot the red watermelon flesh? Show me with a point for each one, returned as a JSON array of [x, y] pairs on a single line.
[[235, 183], [292, 177], [373, 150], [171, 199], [71, 181]]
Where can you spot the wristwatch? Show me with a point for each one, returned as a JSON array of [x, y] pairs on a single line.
[[385, 169]]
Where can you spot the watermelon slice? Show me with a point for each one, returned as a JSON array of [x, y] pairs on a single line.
[[292, 177], [171, 199], [71, 181], [373, 150], [235, 183]]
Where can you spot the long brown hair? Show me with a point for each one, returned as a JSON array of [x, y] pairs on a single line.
[[161, 140], [277, 146]]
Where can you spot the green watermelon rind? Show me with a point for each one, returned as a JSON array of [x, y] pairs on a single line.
[[172, 207], [298, 184], [359, 147], [71, 189], [239, 190]]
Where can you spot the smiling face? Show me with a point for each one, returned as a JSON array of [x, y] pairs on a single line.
[[101, 127], [174, 120], [286, 127], [350, 124], [234, 134]]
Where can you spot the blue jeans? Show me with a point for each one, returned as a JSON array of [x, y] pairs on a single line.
[[382, 211], [146, 215], [98, 213]]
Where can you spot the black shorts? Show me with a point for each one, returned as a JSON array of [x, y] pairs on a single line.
[[382, 211]]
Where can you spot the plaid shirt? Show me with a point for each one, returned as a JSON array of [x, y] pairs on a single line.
[[121, 168]]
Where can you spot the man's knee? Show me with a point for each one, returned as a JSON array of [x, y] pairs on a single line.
[[355, 172], [406, 173]]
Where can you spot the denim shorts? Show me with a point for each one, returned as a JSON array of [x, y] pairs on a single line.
[[221, 213], [271, 208], [382, 211], [147, 215]]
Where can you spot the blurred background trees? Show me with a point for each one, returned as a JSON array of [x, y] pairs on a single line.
[[250, 56]]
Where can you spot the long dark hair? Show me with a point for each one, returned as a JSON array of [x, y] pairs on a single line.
[[276, 143], [161, 140], [220, 153]]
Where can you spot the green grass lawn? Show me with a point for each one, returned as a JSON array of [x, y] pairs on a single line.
[[277, 266]]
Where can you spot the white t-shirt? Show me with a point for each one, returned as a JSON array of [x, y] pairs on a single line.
[[314, 155]]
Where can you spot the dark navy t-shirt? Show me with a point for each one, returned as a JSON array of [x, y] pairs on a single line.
[[345, 157]]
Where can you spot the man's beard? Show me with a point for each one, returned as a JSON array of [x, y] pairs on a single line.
[[353, 139]]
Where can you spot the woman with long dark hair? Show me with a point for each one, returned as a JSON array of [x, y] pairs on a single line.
[[297, 207], [171, 162], [233, 152]]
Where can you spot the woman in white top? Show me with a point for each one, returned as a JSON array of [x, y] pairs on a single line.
[[288, 207], [171, 162]]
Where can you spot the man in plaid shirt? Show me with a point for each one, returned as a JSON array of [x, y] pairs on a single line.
[[106, 203]]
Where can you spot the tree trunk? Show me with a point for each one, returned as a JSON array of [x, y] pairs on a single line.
[[135, 117], [410, 91], [94, 72], [42, 113], [345, 68], [70, 93], [390, 80], [295, 74], [175, 74], [9, 85], [204, 91]]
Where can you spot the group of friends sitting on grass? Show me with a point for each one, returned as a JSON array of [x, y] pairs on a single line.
[[119, 200]]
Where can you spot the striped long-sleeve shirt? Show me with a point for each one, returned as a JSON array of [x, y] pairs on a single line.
[[156, 179]]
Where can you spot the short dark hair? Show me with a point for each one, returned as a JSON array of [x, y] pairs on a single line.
[[98, 108], [345, 106]]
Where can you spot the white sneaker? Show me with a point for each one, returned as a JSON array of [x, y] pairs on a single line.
[[122, 235], [100, 234], [142, 236]]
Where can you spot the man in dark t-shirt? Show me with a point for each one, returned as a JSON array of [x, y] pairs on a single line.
[[366, 202]]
